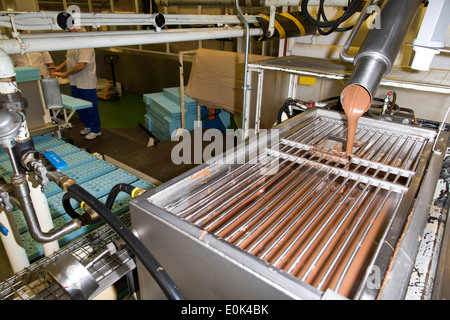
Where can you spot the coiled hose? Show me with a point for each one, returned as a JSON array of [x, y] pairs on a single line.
[[134, 244], [125, 187], [284, 107], [333, 24]]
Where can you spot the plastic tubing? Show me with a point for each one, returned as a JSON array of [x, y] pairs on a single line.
[[125, 187], [327, 24]]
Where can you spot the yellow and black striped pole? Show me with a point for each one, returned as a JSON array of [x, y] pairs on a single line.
[[287, 25]]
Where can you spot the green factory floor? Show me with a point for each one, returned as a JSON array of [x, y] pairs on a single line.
[[125, 139], [125, 112]]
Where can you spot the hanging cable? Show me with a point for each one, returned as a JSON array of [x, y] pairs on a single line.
[[333, 24], [335, 27]]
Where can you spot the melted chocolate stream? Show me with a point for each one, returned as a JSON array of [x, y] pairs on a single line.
[[355, 102]]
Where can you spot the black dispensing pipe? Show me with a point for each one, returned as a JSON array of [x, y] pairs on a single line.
[[125, 187], [134, 244]]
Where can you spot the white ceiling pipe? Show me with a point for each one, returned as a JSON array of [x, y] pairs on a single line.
[[131, 17], [294, 3], [174, 19], [46, 21], [97, 40], [65, 34], [252, 3]]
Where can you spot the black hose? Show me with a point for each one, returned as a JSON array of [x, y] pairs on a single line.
[[134, 244], [335, 27], [125, 187], [333, 23], [321, 13], [68, 206], [283, 109]]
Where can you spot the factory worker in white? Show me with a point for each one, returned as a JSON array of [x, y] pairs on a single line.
[[81, 71], [41, 60]]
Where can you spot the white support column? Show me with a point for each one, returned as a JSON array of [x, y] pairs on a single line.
[[44, 217]]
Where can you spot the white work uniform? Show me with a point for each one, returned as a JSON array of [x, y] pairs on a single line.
[[86, 78], [34, 59]]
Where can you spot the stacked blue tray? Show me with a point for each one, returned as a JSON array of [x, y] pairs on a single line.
[[225, 117], [163, 115], [74, 104], [94, 175], [27, 73]]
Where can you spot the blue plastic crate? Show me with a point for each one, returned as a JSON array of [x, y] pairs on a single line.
[[74, 104], [148, 122], [81, 174], [27, 73], [173, 94], [46, 141], [168, 107], [78, 159], [40, 143]]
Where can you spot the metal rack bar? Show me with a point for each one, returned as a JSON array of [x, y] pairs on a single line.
[[232, 174], [218, 196], [285, 216], [267, 205], [251, 194], [332, 235], [272, 212]]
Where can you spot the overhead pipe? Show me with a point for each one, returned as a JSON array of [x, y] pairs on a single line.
[[381, 46], [48, 20], [98, 40], [181, 19], [375, 59], [250, 3]]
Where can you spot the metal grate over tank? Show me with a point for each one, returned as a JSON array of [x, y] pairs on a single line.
[[305, 207]]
